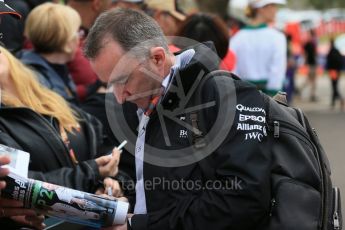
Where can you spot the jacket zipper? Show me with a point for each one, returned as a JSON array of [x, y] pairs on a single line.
[[323, 181], [277, 187], [336, 223], [276, 130]]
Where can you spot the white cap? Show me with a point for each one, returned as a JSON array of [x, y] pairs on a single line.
[[262, 3], [121, 212]]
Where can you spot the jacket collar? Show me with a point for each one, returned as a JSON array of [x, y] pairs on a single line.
[[255, 27], [30, 57]]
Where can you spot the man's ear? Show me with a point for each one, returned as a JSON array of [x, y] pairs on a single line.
[[158, 56]]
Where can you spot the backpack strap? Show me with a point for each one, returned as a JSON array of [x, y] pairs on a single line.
[[197, 119], [280, 97], [198, 140], [198, 123], [325, 173]]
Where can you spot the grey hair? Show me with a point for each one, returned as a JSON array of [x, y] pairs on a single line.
[[133, 30]]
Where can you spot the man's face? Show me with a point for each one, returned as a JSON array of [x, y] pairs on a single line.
[[130, 79]]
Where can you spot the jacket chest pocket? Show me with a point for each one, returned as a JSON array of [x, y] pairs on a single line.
[[169, 134]]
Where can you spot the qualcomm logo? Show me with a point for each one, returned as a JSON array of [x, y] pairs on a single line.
[[242, 108]]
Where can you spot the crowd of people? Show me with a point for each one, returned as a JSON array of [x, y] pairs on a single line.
[[58, 61]]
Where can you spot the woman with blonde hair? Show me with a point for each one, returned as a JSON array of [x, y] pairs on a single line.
[[62, 141], [53, 30]]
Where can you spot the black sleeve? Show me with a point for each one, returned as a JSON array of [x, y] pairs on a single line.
[[242, 167], [85, 176]]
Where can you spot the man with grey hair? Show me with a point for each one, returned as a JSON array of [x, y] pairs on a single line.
[[194, 170]]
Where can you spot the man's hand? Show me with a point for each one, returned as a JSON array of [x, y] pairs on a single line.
[[4, 160], [108, 165], [114, 185], [119, 227]]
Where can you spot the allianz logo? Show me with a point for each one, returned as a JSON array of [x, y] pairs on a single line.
[[246, 127]]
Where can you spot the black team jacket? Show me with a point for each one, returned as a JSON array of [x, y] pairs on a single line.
[[235, 192]]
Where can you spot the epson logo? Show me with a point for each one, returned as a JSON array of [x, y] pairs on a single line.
[[261, 119]]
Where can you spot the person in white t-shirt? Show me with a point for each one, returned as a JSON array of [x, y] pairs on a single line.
[[260, 49]]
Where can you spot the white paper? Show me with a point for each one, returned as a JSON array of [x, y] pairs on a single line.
[[19, 160]]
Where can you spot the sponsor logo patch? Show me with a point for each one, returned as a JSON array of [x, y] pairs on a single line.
[[252, 120]]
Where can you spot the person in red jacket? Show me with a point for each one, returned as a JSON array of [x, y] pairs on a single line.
[[83, 76]]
